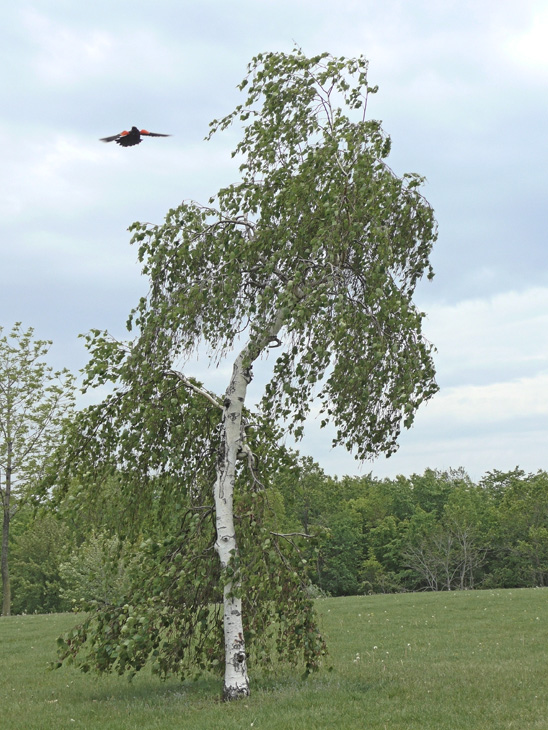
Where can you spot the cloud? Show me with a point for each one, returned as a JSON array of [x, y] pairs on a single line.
[[476, 406], [64, 54], [477, 453], [528, 49], [47, 173], [128, 53], [496, 338]]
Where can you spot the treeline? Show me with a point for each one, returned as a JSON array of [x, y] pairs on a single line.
[[435, 531]]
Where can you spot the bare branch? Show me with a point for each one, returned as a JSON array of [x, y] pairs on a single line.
[[196, 388]]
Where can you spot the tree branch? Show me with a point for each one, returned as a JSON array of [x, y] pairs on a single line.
[[196, 388]]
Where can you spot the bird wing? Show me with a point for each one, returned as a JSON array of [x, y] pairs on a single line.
[[114, 136], [153, 134]]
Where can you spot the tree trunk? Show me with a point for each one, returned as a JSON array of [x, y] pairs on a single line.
[[236, 682], [6, 587], [233, 447]]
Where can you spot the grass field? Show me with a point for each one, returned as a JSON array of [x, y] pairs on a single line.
[[476, 660]]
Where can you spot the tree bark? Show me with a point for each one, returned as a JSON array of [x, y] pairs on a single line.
[[236, 682], [6, 589], [6, 585]]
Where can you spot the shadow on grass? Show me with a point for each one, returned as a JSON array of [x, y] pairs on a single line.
[[150, 691], [146, 689]]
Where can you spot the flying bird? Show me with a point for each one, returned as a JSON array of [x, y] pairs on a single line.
[[128, 139]]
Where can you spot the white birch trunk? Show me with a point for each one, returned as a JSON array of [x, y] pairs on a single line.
[[236, 683]]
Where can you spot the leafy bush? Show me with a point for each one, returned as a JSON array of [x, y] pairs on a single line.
[[95, 571]]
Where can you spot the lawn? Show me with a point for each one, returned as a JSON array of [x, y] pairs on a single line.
[[476, 660]]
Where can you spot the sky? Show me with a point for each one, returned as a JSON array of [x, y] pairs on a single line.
[[463, 93]]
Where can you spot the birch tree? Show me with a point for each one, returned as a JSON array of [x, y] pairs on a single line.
[[309, 263], [34, 400]]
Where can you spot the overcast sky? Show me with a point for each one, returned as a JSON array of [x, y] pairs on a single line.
[[463, 94]]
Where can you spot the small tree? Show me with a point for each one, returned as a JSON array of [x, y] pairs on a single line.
[[312, 259], [94, 571], [34, 400], [36, 559]]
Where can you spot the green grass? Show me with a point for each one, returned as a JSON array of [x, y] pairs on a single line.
[[476, 660]]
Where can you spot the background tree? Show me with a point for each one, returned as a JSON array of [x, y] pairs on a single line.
[[34, 401], [36, 559], [519, 527], [312, 258], [448, 532], [466, 519]]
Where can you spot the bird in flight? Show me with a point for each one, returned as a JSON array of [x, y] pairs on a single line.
[[128, 139]]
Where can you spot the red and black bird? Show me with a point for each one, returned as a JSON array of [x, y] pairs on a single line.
[[128, 139]]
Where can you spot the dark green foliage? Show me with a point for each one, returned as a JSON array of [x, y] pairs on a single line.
[[434, 531], [520, 529], [337, 566], [140, 465], [140, 444], [168, 616], [368, 536], [37, 555]]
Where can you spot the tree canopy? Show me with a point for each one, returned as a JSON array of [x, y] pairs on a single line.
[[312, 257], [319, 242]]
